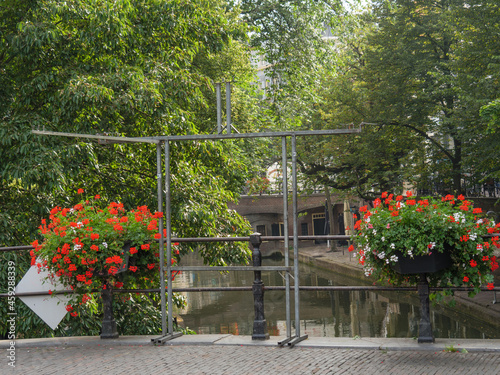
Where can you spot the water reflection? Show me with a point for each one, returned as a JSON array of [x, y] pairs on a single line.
[[323, 313]]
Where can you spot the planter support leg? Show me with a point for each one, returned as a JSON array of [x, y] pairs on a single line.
[[425, 328], [108, 330], [259, 323]]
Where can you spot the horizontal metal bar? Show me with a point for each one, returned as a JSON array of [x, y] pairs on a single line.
[[100, 137], [218, 239], [168, 337], [211, 239], [257, 135], [159, 139], [335, 237], [14, 248], [213, 289], [247, 288], [297, 339], [230, 268], [40, 293], [338, 237]]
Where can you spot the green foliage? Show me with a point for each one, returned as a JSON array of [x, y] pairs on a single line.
[[491, 112]]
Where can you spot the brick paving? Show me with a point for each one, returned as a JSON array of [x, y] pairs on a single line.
[[233, 360]]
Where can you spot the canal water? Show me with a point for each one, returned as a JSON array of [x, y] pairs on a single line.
[[322, 313]]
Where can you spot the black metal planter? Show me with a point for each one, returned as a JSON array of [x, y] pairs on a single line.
[[419, 264]]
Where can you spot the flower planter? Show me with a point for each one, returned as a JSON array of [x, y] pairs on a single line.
[[419, 264], [426, 224]]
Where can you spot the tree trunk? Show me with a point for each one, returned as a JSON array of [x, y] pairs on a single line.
[[330, 214]]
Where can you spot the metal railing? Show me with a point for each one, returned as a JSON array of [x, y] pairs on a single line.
[[258, 288]]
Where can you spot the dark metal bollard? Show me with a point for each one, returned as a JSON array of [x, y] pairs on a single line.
[[108, 329], [425, 327], [259, 323]]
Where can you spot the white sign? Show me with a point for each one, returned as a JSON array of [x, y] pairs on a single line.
[[50, 308]]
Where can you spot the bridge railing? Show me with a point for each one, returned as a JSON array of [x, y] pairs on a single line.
[[258, 287]]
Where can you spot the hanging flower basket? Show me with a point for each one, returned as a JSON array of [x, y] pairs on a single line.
[[445, 238], [89, 248]]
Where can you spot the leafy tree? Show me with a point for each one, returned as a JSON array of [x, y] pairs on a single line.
[[416, 70], [125, 68], [351, 165], [419, 72], [288, 36], [478, 63]]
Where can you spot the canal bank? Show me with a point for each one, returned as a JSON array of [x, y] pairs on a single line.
[[341, 261]]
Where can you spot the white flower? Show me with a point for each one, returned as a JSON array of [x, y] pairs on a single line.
[[473, 236], [393, 246], [374, 232], [480, 247], [104, 244], [383, 239], [394, 258], [410, 253], [381, 255], [77, 247], [459, 217]]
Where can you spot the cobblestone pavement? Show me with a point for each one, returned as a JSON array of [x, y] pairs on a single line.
[[234, 360]]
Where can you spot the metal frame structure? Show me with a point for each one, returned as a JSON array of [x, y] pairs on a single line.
[[166, 299]]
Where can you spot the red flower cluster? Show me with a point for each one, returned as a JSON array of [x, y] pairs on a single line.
[[84, 246]]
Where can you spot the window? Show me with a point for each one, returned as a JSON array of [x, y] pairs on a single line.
[[261, 229], [277, 229], [319, 226], [304, 229]]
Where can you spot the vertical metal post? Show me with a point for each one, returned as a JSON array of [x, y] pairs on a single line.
[[284, 164], [295, 237], [166, 318], [162, 240], [259, 323], [424, 327], [169, 237], [219, 110], [298, 337], [228, 106]]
